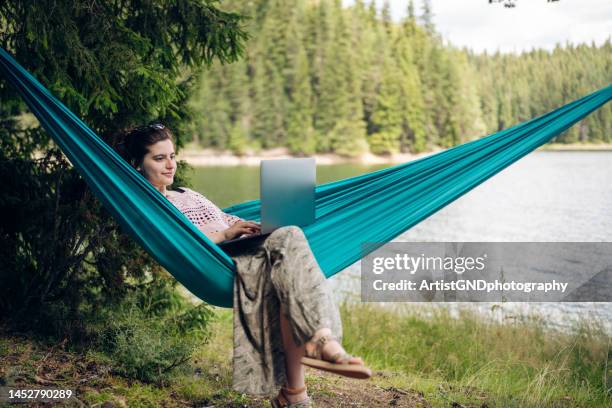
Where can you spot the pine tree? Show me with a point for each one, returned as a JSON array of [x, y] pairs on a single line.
[[115, 65], [348, 135], [325, 75], [269, 103], [372, 43], [387, 114], [213, 125], [427, 18], [412, 105], [300, 131]]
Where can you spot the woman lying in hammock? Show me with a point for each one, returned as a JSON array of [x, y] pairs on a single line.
[[284, 313]]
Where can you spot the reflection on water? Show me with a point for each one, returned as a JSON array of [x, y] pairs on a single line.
[[546, 196], [227, 186]]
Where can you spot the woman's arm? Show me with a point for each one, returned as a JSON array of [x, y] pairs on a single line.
[[204, 214], [230, 219], [217, 237], [237, 229]]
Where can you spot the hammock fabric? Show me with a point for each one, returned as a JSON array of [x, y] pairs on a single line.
[[372, 208]]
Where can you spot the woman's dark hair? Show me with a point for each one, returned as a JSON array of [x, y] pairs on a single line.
[[136, 141]]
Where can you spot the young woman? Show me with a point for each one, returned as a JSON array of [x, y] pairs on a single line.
[[284, 313]]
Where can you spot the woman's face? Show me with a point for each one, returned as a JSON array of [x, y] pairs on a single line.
[[159, 164]]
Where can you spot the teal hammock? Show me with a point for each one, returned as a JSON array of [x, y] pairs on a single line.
[[371, 208]]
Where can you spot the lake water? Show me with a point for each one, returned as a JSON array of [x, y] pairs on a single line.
[[548, 196]]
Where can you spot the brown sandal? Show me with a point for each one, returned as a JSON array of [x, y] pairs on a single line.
[[281, 400], [337, 364]]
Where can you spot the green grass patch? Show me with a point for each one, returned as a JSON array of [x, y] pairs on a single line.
[[468, 360]]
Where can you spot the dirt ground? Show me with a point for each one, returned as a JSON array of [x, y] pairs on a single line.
[[346, 392], [26, 366]]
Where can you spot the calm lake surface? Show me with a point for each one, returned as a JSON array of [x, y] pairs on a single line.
[[547, 196]]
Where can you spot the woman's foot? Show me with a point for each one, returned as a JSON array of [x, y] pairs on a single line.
[[291, 398], [330, 349], [325, 352]]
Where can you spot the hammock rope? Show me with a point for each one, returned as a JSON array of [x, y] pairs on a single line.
[[371, 208]]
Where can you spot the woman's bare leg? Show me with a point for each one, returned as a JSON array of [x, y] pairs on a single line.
[[293, 354]]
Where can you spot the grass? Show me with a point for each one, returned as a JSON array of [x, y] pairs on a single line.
[[520, 364], [419, 360]]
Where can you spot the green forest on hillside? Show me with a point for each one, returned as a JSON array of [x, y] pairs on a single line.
[[319, 77]]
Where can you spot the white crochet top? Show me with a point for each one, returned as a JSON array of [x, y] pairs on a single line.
[[202, 212]]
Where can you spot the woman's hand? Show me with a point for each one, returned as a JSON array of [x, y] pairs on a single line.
[[240, 228]]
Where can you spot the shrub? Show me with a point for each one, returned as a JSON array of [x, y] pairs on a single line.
[[153, 333], [64, 257], [64, 260]]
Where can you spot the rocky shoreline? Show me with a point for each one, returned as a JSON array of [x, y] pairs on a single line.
[[211, 157]]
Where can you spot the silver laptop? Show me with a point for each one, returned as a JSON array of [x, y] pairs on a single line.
[[287, 195]]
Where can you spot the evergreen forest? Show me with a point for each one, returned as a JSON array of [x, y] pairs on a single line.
[[318, 77]]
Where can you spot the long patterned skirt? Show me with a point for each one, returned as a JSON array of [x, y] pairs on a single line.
[[280, 271]]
